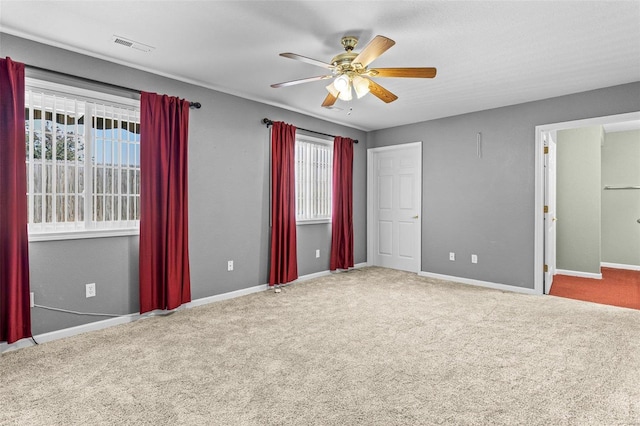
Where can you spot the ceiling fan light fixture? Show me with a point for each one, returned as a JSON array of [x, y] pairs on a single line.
[[332, 89], [361, 86], [351, 72], [341, 83], [346, 95]]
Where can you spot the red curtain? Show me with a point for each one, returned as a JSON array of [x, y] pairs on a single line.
[[342, 205], [284, 260], [15, 315], [164, 242]]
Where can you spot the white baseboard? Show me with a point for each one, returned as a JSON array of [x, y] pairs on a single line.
[[99, 325], [325, 273], [579, 274], [620, 266], [68, 332], [6, 347], [311, 276], [225, 296], [488, 284]]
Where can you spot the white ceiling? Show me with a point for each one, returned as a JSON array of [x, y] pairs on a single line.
[[488, 54]]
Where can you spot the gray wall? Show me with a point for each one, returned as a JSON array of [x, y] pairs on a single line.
[[486, 205], [228, 200], [470, 205], [60, 270], [621, 208], [578, 191]]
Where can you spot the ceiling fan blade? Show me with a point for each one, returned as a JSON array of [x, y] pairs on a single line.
[[329, 100], [303, 80], [381, 93], [375, 48], [402, 72], [307, 60]]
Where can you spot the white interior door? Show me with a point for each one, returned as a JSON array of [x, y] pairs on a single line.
[[395, 204], [550, 215]]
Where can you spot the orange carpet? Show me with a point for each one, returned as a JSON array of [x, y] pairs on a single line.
[[618, 287]]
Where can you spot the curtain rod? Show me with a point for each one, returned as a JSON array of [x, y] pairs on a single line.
[[268, 123], [195, 105]]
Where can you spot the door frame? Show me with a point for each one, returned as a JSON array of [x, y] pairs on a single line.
[[550, 184], [371, 187], [539, 228]]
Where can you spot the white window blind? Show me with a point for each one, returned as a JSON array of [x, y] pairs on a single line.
[[82, 159], [314, 170]]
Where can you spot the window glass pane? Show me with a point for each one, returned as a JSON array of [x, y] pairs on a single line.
[[37, 176], [48, 208], [98, 207], [313, 168], [71, 209], [124, 208], [55, 160], [108, 208], [80, 208], [37, 210], [60, 208]]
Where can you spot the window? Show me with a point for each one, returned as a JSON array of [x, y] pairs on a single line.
[[83, 162], [314, 161]]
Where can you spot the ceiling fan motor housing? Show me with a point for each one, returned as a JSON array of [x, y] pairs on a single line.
[[349, 42], [343, 62]]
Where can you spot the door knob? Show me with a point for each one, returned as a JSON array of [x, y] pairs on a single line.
[[416, 216]]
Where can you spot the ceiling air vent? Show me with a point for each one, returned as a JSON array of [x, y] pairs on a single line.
[[132, 44]]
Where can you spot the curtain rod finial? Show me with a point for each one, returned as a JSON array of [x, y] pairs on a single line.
[[267, 122], [195, 105]]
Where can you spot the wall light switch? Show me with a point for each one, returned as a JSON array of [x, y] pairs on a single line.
[[317, 253], [474, 258], [452, 256], [230, 265]]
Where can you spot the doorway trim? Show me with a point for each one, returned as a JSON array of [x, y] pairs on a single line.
[[371, 186], [539, 228]]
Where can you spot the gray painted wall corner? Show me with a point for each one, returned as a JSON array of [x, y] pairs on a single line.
[[485, 205]]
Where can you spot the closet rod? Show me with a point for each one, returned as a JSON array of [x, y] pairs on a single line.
[[195, 105], [268, 123], [622, 187]]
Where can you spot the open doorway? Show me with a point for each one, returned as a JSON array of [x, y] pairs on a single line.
[[546, 250]]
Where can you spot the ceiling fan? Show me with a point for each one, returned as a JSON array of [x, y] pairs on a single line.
[[351, 73]]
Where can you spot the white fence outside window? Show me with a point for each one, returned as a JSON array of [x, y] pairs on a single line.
[[82, 160]]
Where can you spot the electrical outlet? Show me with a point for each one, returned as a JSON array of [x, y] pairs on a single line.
[[32, 299], [317, 253], [230, 265], [90, 289], [452, 256], [474, 258]]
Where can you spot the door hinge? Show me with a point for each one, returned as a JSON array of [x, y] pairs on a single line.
[[546, 149], [546, 209], [546, 268]]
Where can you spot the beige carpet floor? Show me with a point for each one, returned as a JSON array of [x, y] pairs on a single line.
[[369, 347]]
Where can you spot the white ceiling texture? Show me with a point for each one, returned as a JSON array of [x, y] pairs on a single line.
[[488, 53]]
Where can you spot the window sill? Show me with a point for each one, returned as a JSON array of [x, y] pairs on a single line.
[[312, 222], [77, 235]]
